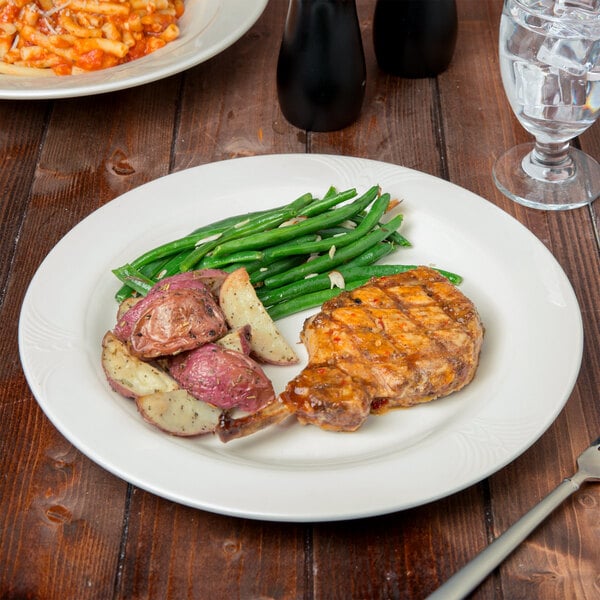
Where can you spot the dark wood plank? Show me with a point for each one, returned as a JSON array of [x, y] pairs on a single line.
[[403, 555], [124, 140], [229, 104], [70, 529], [57, 530], [20, 137], [409, 554], [543, 567], [60, 533], [64, 529], [178, 552], [399, 118], [228, 110]]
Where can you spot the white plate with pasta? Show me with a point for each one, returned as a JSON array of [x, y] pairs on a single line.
[[206, 28]]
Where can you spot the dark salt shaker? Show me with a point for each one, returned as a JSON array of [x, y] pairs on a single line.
[[321, 72], [414, 38]]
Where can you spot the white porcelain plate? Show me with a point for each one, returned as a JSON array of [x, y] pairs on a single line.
[[529, 363], [207, 27]]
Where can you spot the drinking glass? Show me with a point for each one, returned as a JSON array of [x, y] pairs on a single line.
[[550, 67]]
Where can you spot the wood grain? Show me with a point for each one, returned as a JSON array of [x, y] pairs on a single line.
[[71, 530]]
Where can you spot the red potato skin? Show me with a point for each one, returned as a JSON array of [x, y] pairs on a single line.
[[204, 280], [245, 335], [126, 323], [175, 322], [120, 389], [210, 278], [225, 378]]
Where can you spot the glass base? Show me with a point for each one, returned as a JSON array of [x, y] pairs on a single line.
[[555, 192]]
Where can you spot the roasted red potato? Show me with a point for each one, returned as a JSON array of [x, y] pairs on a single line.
[[237, 339], [209, 278], [173, 353], [178, 413], [224, 378], [241, 306], [126, 305], [130, 376], [167, 322]]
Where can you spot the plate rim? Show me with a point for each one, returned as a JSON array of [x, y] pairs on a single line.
[[270, 512], [243, 21]]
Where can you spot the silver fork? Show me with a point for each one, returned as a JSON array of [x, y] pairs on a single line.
[[475, 571]]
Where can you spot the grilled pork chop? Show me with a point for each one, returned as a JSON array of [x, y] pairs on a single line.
[[395, 342]]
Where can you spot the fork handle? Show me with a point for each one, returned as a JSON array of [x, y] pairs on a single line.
[[475, 571]]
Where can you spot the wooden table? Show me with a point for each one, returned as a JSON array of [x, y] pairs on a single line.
[[71, 530]]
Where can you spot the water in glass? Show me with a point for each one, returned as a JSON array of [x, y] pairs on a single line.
[[550, 67]]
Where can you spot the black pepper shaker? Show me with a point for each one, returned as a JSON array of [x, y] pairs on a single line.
[[321, 71], [414, 38]]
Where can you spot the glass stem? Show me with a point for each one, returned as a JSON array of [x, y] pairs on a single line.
[[551, 154], [549, 162]]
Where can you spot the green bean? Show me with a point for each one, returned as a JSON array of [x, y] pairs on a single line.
[[325, 262], [124, 292], [372, 254], [400, 240], [331, 232], [257, 276], [197, 236], [327, 202], [323, 245], [313, 299], [227, 222], [184, 253], [454, 278], [261, 223], [216, 262], [284, 309], [332, 191], [396, 237], [269, 296], [212, 262], [310, 225], [150, 270], [289, 251], [237, 224], [185, 243], [235, 266], [167, 267], [134, 278], [237, 220]]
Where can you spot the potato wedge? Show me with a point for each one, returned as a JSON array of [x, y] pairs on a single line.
[[178, 413], [130, 376], [241, 306], [237, 339]]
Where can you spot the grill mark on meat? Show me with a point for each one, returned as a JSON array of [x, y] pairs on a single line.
[[394, 342], [402, 340], [389, 330]]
